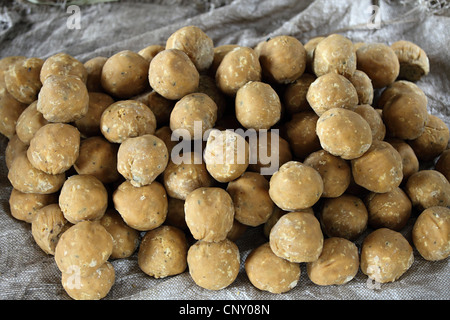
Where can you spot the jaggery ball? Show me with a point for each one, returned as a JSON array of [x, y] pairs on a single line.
[[125, 74], [385, 255], [22, 79], [63, 99], [330, 91], [24, 206], [98, 157], [209, 213], [310, 47], [410, 162], [163, 252], [337, 264], [433, 141], [175, 214], [283, 59], [363, 87], [257, 106], [142, 208], [5, 63], [181, 178], [344, 133], [198, 46], [294, 96], [83, 197], [219, 53], [268, 272], [374, 120], [345, 216], [277, 213], [24, 177], [379, 62], [160, 106], [428, 188], [193, 112], [10, 111], [14, 147], [29, 122], [335, 53], [414, 63], [297, 237], [335, 172], [165, 134], [54, 148], [213, 265], [95, 286], [207, 85], [295, 186], [127, 118], [237, 67], [226, 155], [149, 52], [300, 132], [47, 227], [172, 74], [443, 164], [142, 159], [89, 124], [237, 230], [268, 153], [431, 233], [391, 209], [83, 248], [250, 195], [94, 73], [125, 238], [379, 169], [63, 64]]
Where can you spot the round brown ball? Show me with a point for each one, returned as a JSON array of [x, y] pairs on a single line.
[[94, 73], [163, 252], [198, 46], [379, 62], [22, 79], [213, 265], [125, 74], [89, 124], [410, 162], [219, 53], [142, 159], [295, 186], [374, 120], [47, 227], [251, 199], [226, 155], [83, 197], [414, 63], [209, 213], [431, 233], [310, 47], [24, 206], [63, 64], [83, 248], [363, 87], [10, 111], [379, 169], [428, 188], [385, 255], [297, 237], [330, 91], [180, 179], [345, 216], [92, 287], [29, 122], [54, 148], [192, 112], [257, 106], [142, 208], [268, 272], [337, 264], [335, 172], [294, 96], [14, 147], [125, 238], [127, 118], [335, 53], [24, 177], [160, 106], [391, 209], [63, 99], [149, 52], [283, 59], [344, 133], [237, 67], [172, 74]]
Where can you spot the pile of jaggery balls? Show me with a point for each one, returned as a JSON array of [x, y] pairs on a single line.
[[90, 160]]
